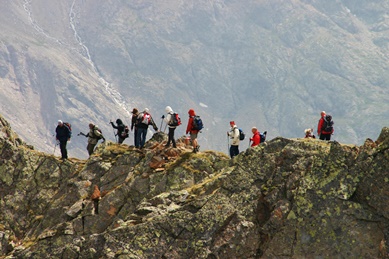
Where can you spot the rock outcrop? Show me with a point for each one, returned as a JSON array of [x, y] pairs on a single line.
[[287, 198]]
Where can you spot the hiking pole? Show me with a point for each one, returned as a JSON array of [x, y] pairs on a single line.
[[55, 146], [162, 117], [116, 140], [249, 142]]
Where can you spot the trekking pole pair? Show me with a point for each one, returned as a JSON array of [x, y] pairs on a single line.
[[116, 140], [162, 117]]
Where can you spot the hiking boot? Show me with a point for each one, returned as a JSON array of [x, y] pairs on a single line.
[[197, 148]]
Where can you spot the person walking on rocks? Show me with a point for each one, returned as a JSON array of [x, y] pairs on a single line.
[[234, 136], [144, 120], [94, 135], [63, 135], [172, 127], [193, 130], [120, 130], [256, 138], [134, 128]]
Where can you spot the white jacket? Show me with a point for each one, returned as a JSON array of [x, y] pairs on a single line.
[[167, 119], [234, 135]]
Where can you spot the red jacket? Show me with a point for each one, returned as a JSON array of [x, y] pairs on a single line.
[[256, 139], [189, 128], [320, 125]]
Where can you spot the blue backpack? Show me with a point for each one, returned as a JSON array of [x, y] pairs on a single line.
[[242, 135], [197, 123]]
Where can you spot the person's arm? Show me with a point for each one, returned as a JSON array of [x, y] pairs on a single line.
[[113, 125], [168, 118], [190, 125], [319, 125]]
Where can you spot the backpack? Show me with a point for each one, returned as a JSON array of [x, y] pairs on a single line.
[[175, 120], [197, 123], [69, 126], [125, 132], [99, 130], [242, 135], [145, 119], [262, 137], [328, 124]]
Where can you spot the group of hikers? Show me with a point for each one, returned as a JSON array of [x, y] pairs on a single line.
[[140, 122]]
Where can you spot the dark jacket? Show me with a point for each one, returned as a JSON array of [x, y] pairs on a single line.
[[120, 127], [62, 133]]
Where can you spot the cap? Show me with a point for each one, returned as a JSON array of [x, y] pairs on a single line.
[[60, 122], [232, 122], [146, 110]]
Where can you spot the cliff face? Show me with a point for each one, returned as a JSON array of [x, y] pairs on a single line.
[[287, 198]]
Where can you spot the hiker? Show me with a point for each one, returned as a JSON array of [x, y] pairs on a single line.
[[63, 135], [120, 130], [308, 133], [172, 127], [193, 131], [144, 119], [325, 126], [234, 135], [135, 114], [94, 135], [256, 139]]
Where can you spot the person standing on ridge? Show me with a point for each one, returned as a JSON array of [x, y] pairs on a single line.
[[192, 131], [120, 129], [134, 128], [172, 128], [63, 135], [143, 122], [321, 121], [94, 135], [234, 135], [256, 138], [325, 126]]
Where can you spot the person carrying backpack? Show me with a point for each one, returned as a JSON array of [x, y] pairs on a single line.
[[193, 130], [135, 114], [172, 122], [144, 119], [94, 135], [256, 138], [325, 126], [235, 136], [63, 135], [121, 133]]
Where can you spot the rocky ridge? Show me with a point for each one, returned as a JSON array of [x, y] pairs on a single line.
[[287, 198]]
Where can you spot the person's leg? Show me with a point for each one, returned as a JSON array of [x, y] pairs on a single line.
[[322, 137], [120, 140], [328, 136], [138, 137], [231, 151], [143, 137], [172, 138], [90, 148], [62, 146]]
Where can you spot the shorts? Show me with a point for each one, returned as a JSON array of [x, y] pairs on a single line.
[[193, 136]]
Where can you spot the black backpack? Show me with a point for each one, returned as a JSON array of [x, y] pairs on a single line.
[[327, 124], [175, 120], [242, 135], [125, 132]]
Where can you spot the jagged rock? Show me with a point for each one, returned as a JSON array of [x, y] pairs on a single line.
[[285, 199]]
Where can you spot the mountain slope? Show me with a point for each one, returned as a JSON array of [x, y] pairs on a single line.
[[285, 198], [270, 64]]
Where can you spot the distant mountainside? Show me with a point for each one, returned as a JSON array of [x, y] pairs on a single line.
[[286, 198], [272, 64]]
